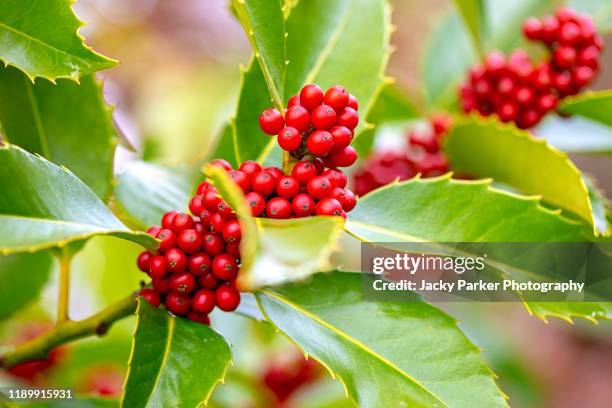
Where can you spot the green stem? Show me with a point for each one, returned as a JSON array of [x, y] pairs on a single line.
[[287, 162], [66, 331], [63, 298]]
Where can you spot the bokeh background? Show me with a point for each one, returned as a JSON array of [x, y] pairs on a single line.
[[175, 88]]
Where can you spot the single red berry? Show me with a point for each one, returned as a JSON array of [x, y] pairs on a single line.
[[157, 267], [168, 240], [343, 157], [167, 219], [298, 117], [271, 121], [289, 139], [352, 102], [563, 82], [569, 34], [319, 165], [328, 206], [224, 267], [348, 118], [589, 56], [199, 318], [233, 250], [209, 281], [181, 222], [256, 203], [546, 103], [319, 187], [565, 14], [582, 76], [176, 261], [302, 205], [425, 138], [231, 232], [303, 171], [250, 167], [336, 177], [275, 172], [199, 264], [311, 96], [151, 296], [528, 119], [178, 303], [153, 231], [182, 283], [143, 261], [242, 179], [524, 96], [293, 101], [161, 286], [337, 97], [287, 187], [211, 199], [588, 31], [203, 301], [213, 244], [507, 112], [222, 163], [320, 142], [199, 226], [216, 222], [189, 241], [323, 117], [565, 56], [532, 28], [224, 210], [202, 187], [550, 29], [495, 63], [345, 197], [505, 85], [196, 205], [227, 298], [278, 207], [263, 183], [342, 136]]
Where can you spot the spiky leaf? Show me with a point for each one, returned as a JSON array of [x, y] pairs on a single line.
[[592, 105]]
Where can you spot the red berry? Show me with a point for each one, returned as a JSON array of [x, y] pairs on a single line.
[[224, 210], [343, 157], [199, 226], [250, 167], [211, 199], [199, 318], [565, 56], [161, 286], [151, 296], [271, 121], [224, 267], [287, 187], [582, 76], [352, 102], [319, 187], [199, 264], [550, 29], [348, 118], [224, 164], [302, 205], [342, 136], [203, 301], [311, 96], [505, 85], [213, 244], [181, 222], [289, 139], [196, 205], [569, 34], [216, 222], [182, 283], [153, 231], [227, 298], [328, 206], [563, 82], [167, 219], [176, 260], [202, 187], [588, 56], [157, 267], [425, 138], [168, 240], [278, 207], [208, 281], [507, 112], [532, 28], [231, 232], [320, 142], [524, 96], [143, 261], [345, 197], [336, 177], [293, 101], [528, 119], [263, 183], [565, 14], [298, 117], [337, 97], [323, 117], [189, 241], [240, 178], [303, 171], [546, 103], [495, 63], [233, 250], [256, 202], [274, 171], [178, 303]]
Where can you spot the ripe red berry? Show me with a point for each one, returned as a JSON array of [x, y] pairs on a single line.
[[176, 260], [287, 187], [256, 202], [240, 178], [298, 117], [320, 142], [271, 121], [532, 28], [311, 96], [343, 157], [196, 205], [582, 76], [337, 97], [274, 171], [279, 208], [546, 103], [303, 171], [336, 177], [181, 222], [153, 231], [231, 232], [202, 187], [224, 267], [208, 281], [263, 183], [293, 101], [178, 303], [345, 197], [189, 241], [224, 164], [203, 301], [303, 205], [589, 56], [494, 63], [182, 283], [198, 318], [342, 136], [550, 29], [157, 267], [348, 118], [323, 117], [143, 261], [250, 167], [524, 96], [213, 244], [168, 239], [507, 112], [227, 298], [352, 102], [167, 219], [528, 119], [161, 286], [565, 56], [199, 264], [216, 222], [319, 165], [289, 139], [329, 206], [319, 187], [569, 34], [151, 296], [233, 250], [224, 210]]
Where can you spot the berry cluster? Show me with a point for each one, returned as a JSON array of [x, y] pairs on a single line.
[[518, 91], [316, 124], [423, 155]]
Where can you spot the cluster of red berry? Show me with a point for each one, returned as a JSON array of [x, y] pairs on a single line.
[[422, 155], [285, 376], [516, 90], [315, 123]]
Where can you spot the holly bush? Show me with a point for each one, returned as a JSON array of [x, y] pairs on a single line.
[[58, 190]]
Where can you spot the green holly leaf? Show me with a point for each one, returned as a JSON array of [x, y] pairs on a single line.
[[576, 134], [41, 39], [473, 13], [370, 346], [17, 289], [591, 311], [535, 168], [54, 120], [592, 105], [226, 147], [600, 204], [174, 361], [45, 206]]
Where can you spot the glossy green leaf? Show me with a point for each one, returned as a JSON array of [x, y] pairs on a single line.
[[44, 206], [394, 354], [445, 210], [145, 191], [534, 168], [264, 25], [22, 278], [592, 105], [600, 205], [592, 311], [41, 39], [576, 134], [600, 10], [174, 361], [473, 14], [67, 123], [226, 146]]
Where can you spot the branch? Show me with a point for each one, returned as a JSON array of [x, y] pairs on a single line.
[[66, 331]]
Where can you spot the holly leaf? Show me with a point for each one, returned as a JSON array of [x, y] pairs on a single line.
[[54, 120], [41, 39], [45, 206], [591, 105], [226, 147], [591, 311], [535, 168], [173, 360], [473, 13], [145, 191], [364, 353], [576, 134], [600, 205]]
